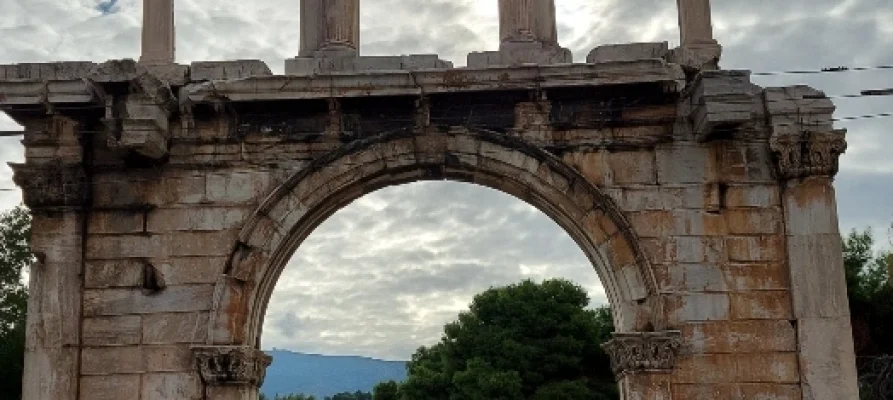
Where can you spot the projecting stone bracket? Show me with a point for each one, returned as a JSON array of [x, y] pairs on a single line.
[[137, 121], [722, 102], [231, 365], [638, 352]]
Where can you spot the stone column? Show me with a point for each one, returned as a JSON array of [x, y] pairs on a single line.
[[527, 21], [231, 372], [699, 49], [56, 191], [158, 32], [807, 149], [330, 25], [643, 363]]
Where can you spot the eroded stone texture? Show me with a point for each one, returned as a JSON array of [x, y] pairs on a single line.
[[161, 224]]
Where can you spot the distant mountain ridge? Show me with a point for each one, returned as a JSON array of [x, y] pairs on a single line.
[[321, 376]]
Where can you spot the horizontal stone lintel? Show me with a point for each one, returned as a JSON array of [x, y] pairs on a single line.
[[417, 83]]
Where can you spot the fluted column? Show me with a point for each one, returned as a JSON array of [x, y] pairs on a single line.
[[158, 32], [527, 21], [695, 22], [329, 25]]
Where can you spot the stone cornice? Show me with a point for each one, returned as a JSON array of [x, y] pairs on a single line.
[[643, 351], [231, 365], [51, 185], [799, 155]]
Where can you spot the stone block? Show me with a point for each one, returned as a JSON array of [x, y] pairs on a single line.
[[110, 302], [774, 367], [632, 167], [697, 278], [56, 71], [752, 196], [325, 63], [114, 273], [810, 208], [236, 187], [698, 223], [110, 387], [171, 358], [172, 328], [705, 369], [761, 336], [827, 360], [171, 386], [760, 276], [680, 164], [754, 221], [195, 219], [651, 224], [191, 270], [756, 248], [698, 307], [774, 304], [700, 249], [112, 360], [593, 166], [220, 70], [114, 222], [112, 331], [213, 244], [818, 285], [627, 52]]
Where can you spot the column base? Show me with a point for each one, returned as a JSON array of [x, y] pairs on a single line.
[[348, 61], [702, 56], [519, 53]]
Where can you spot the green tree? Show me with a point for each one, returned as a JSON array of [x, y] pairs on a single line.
[[15, 258], [870, 294], [524, 341], [389, 390]]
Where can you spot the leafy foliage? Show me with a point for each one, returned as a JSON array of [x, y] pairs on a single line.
[[870, 294], [15, 258], [524, 341]]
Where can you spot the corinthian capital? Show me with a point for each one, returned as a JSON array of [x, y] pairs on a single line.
[[803, 154], [643, 351], [231, 365]]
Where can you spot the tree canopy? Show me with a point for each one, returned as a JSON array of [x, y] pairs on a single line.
[[15, 258], [523, 341]]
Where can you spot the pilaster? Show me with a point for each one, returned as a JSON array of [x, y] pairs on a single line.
[[643, 363], [158, 39], [231, 372]]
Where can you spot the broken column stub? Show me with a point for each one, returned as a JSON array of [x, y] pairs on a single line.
[[527, 34], [330, 42], [699, 49]]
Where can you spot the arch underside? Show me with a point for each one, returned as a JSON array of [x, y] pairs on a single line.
[[295, 208]]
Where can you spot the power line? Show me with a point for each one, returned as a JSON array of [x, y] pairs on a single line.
[[829, 70]]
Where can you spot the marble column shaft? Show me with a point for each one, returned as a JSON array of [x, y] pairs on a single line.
[[329, 25], [527, 20], [158, 41], [695, 22]]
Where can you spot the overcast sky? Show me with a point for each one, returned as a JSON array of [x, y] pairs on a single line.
[[382, 275]]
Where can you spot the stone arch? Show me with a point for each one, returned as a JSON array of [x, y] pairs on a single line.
[[296, 207]]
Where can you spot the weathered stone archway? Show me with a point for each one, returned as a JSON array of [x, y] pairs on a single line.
[[167, 198]]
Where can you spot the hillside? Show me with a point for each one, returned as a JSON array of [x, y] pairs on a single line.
[[326, 375]]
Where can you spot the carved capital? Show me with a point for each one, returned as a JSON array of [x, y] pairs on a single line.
[[51, 185], [643, 351], [802, 154], [231, 365]]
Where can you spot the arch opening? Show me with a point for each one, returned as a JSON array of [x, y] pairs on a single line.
[[294, 210]]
